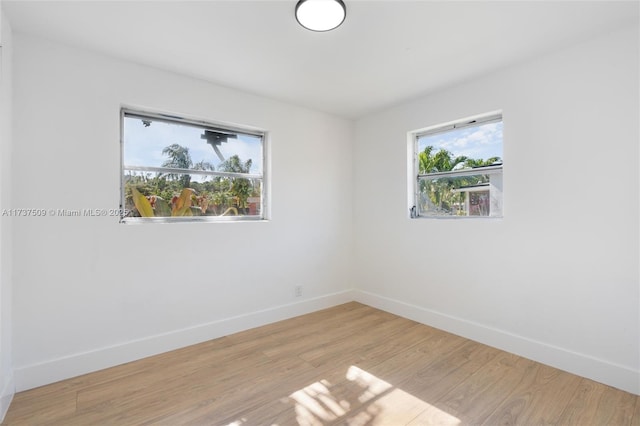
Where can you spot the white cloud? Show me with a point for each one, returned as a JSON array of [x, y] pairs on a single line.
[[480, 142]]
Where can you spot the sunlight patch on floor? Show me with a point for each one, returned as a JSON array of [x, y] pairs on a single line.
[[364, 399], [315, 401]]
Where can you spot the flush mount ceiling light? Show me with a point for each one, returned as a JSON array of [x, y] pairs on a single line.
[[320, 15]]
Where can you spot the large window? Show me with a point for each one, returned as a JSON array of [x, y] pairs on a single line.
[[175, 169], [457, 169]]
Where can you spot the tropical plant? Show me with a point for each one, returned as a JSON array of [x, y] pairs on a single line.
[[165, 195], [147, 205], [441, 161], [241, 188], [179, 158], [471, 162], [439, 191]]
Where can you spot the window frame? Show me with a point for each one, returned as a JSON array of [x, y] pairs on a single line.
[[414, 175], [142, 114]]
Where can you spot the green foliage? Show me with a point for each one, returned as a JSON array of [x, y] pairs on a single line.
[[439, 192], [441, 161], [470, 162], [179, 158], [241, 188], [165, 193]]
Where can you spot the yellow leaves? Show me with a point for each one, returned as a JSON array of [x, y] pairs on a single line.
[[182, 204], [142, 203]]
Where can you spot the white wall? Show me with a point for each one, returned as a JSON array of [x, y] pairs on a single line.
[[556, 280], [90, 292], [6, 370]]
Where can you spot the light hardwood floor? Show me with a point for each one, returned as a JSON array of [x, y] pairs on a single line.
[[348, 365]]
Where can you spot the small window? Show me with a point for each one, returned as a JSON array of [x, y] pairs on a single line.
[[457, 170], [174, 169]]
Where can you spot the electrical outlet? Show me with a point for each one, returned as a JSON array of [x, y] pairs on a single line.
[[298, 290]]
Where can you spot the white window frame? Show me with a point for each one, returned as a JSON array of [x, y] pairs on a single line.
[[414, 176], [205, 125]]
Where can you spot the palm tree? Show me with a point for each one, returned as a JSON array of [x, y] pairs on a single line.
[[235, 165], [179, 158], [471, 162], [240, 188], [425, 160], [441, 161]]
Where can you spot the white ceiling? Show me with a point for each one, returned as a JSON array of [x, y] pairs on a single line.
[[385, 52]]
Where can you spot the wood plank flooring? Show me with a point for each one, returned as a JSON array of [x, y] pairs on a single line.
[[347, 365]]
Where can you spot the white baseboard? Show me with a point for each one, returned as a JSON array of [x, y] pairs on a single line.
[[6, 395], [31, 376], [601, 371]]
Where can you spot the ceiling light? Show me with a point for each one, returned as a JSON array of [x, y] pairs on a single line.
[[320, 15]]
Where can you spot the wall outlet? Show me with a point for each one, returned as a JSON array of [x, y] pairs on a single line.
[[298, 290]]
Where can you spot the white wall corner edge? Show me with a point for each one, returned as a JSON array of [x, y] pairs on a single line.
[[35, 375], [6, 396], [599, 370]]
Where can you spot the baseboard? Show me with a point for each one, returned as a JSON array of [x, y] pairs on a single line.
[[31, 376], [6, 396], [618, 376]]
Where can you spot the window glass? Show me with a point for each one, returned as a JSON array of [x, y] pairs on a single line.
[[459, 169], [175, 169]]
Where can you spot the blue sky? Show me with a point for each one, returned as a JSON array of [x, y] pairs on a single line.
[[481, 142], [143, 145]]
